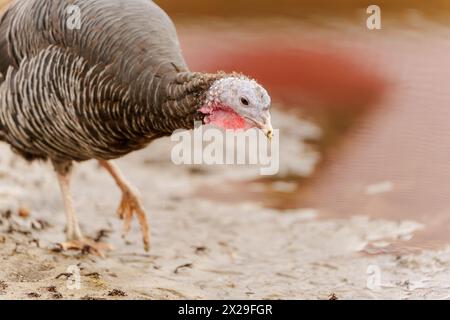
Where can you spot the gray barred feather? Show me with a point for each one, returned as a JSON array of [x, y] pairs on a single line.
[[99, 92]]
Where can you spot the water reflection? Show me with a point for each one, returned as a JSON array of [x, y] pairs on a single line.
[[381, 97]]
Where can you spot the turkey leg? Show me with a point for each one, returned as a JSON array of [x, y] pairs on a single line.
[[75, 239], [130, 204]]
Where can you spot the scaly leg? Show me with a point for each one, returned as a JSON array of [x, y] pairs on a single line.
[[130, 204], [75, 239]]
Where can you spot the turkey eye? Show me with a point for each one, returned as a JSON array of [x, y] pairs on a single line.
[[244, 101]]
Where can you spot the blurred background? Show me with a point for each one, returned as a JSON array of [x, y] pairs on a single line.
[[380, 97]]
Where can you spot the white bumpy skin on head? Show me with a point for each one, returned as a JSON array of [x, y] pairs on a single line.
[[238, 103]]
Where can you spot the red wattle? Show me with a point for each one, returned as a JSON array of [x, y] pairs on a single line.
[[225, 118]]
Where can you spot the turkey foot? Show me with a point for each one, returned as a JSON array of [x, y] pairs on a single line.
[[130, 203], [87, 246]]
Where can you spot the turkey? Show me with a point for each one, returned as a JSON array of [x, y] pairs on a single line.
[[104, 87]]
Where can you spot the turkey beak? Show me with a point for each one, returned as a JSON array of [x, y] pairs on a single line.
[[268, 131], [265, 125]]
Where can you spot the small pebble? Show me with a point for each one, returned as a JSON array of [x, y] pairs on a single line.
[[24, 212]]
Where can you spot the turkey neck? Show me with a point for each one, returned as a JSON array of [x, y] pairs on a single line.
[[176, 102]]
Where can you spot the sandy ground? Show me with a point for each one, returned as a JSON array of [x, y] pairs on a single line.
[[201, 249]]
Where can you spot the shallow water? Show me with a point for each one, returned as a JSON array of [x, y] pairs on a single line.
[[386, 134]]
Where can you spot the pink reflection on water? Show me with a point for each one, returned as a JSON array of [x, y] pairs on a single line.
[[404, 140]]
